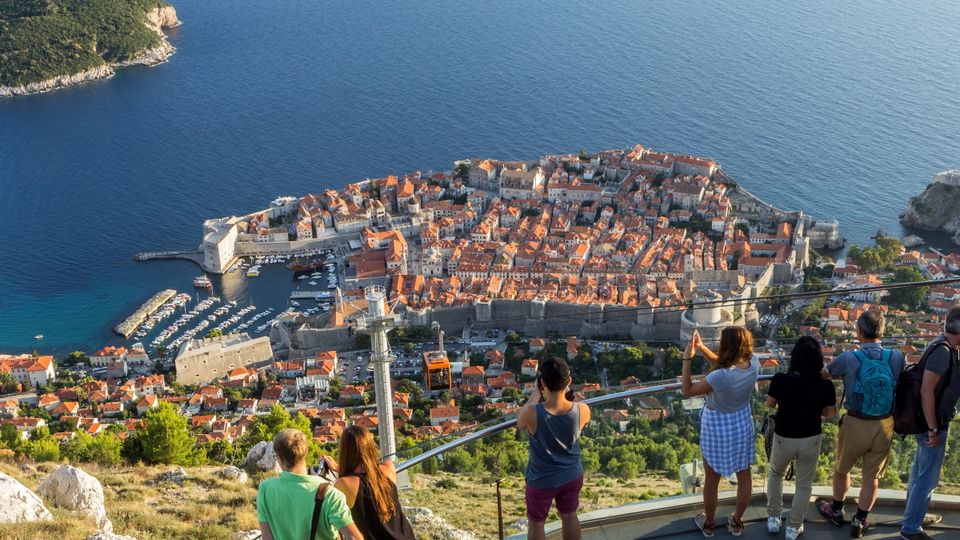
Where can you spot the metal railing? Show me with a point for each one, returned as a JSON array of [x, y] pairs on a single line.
[[506, 424]]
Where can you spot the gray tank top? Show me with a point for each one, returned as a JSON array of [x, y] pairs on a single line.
[[555, 449]]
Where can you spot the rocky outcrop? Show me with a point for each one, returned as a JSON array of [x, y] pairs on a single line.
[[426, 523], [74, 489], [19, 503], [233, 473], [261, 458], [936, 209], [177, 476], [253, 534], [157, 19], [108, 536]]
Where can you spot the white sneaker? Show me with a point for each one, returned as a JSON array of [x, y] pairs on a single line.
[[773, 524], [794, 532]]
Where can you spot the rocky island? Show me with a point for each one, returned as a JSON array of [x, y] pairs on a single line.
[[936, 208], [48, 44]]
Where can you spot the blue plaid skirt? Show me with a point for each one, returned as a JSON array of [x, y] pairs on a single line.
[[727, 440]]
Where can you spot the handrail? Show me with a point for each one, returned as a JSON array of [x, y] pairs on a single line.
[[496, 428]]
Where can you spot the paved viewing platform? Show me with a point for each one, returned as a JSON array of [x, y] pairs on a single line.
[[672, 518]]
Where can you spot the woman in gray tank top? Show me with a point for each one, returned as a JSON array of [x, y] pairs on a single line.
[[554, 470]]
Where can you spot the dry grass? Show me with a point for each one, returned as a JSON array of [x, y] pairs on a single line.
[[203, 507], [472, 504]]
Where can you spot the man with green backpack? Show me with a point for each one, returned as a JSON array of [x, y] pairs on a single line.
[[866, 430]]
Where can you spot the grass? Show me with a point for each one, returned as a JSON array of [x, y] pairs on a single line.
[[203, 507]]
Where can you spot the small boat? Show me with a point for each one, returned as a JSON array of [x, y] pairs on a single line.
[[202, 282], [303, 277], [295, 304], [254, 271], [38, 337], [312, 283]]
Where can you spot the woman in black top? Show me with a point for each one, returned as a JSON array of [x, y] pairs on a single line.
[[370, 487], [802, 397]]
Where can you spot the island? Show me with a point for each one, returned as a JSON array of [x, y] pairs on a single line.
[[48, 44], [936, 208]]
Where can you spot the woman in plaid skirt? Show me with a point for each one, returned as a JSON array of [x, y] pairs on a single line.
[[726, 423]]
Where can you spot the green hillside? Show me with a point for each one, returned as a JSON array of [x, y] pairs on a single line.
[[41, 39]]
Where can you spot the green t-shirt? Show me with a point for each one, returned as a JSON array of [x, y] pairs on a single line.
[[286, 503]]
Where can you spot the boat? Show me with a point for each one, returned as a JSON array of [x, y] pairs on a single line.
[[295, 304], [312, 283], [38, 337], [304, 265], [254, 271], [202, 282]]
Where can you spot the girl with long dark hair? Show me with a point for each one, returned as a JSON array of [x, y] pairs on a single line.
[[802, 397], [370, 487]]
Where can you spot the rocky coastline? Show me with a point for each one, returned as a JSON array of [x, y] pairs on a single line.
[[936, 208], [157, 19]]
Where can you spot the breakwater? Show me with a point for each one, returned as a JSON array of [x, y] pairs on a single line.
[[131, 323]]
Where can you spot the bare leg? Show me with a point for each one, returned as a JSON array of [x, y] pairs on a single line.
[[744, 492], [571, 526], [711, 483], [535, 530], [868, 493], [841, 484]]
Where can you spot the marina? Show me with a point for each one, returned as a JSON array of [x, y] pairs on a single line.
[[131, 323]]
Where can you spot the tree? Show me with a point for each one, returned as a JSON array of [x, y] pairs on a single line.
[[76, 357], [166, 439], [105, 449], [8, 383], [44, 449], [214, 332], [408, 348], [912, 297]]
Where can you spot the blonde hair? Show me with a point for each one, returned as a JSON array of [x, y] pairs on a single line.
[[290, 446], [736, 344]]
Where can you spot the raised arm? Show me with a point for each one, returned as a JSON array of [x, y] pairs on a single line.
[[701, 347], [687, 386]]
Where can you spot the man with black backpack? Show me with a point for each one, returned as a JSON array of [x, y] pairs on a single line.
[[939, 393], [866, 430]]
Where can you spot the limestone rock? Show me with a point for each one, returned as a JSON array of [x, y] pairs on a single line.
[[178, 475], [426, 523], [246, 535], [109, 536], [935, 210], [261, 458], [74, 489], [19, 503], [234, 473]]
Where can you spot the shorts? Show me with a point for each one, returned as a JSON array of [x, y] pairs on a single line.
[[539, 500], [867, 439]]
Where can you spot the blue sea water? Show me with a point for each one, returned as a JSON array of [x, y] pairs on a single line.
[[842, 109]]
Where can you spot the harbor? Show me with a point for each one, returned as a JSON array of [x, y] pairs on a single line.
[[133, 322]]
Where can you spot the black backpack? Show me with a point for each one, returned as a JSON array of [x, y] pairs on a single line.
[[908, 416]]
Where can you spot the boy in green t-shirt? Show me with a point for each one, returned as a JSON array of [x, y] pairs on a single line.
[[285, 503]]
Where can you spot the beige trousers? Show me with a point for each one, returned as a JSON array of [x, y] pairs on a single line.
[[805, 451]]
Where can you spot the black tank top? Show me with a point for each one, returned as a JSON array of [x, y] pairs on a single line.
[[367, 519]]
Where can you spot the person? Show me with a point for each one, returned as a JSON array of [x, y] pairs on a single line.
[[866, 430], [285, 504], [726, 423], [370, 487], [554, 470], [802, 397], [939, 393]]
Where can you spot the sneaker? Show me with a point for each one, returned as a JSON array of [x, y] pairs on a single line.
[[915, 536], [932, 519], [825, 507], [858, 526], [773, 524], [794, 532], [734, 525], [706, 528]]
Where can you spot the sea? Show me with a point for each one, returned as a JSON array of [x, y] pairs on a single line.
[[841, 109]]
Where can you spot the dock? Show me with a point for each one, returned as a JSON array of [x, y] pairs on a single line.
[[192, 256], [310, 295], [131, 323]]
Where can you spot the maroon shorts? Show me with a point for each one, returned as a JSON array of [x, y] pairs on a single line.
[[539, 500]]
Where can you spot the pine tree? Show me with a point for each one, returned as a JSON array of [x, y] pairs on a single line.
[[166, 439]]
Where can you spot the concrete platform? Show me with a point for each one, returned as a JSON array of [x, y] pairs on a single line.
[[673, 518]]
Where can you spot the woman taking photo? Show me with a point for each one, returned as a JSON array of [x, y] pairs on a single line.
[[802, 397], [370, 487], [726, 425]]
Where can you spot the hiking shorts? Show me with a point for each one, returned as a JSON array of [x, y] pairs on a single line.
[[539, 500], [867, 439]]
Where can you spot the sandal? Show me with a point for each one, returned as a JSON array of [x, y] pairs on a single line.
[[706, 528], [734, 525]]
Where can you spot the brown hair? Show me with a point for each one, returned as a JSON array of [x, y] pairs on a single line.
[[736, 343], [290, 446], [358, 452]]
